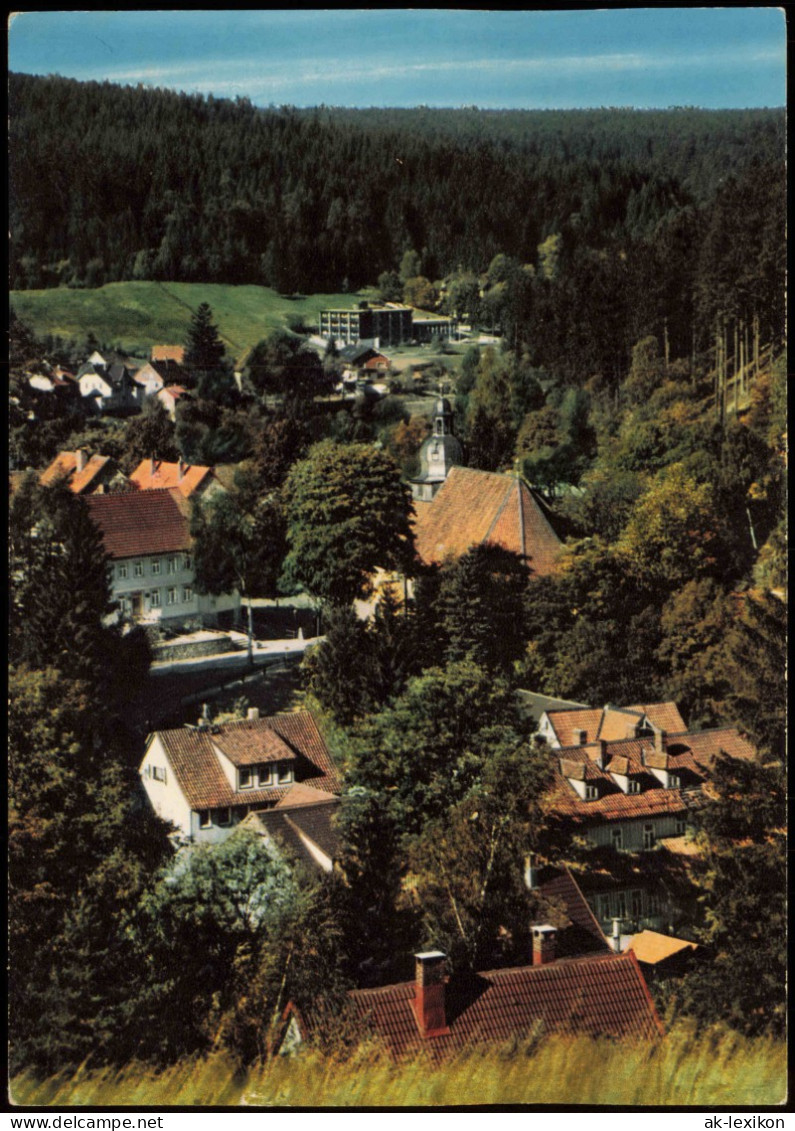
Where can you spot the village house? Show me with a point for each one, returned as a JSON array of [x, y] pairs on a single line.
[[169, 397], [147, 536], [189, 479], [206, 780], [627, 780], [108, 387], [575, 983], [83, 474]]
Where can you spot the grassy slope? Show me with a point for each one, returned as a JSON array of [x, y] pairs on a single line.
[[720, 1069], [137, 315]]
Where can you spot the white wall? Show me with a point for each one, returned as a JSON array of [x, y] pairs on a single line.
[[166, 797]]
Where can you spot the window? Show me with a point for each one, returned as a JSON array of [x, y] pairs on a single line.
[[187, 593], [245, 778], [681, 826], [649, 839], [633, 786], [621, 902], [617, 838], [204, 819], [155, 566], [154, 598], [265, 775], [159, 773], [171, 596], [172, 565], [636, 899], [591, 793], [121, 572], [285, 772], [186, 561], [604, 906], [126, 607], [224, 816], [138, 569], [674, 781]]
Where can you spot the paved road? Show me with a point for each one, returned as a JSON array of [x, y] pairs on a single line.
[[264, 651]]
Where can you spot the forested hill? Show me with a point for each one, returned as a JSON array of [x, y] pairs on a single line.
[[111, 183]]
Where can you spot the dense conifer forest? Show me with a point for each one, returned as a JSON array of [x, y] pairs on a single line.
[[111, 183]]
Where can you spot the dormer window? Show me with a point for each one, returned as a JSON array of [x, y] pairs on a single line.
[[633, 786], [245, 778], [591, 793], [265, 775], [285, 771], [674, 781]]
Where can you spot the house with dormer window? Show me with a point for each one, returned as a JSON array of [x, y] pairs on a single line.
[[628, 778], [205, 780]]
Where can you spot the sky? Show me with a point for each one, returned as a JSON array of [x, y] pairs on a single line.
[[641, 57]]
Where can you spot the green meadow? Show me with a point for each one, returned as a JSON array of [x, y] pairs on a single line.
[[137, 315], [719, 1068]]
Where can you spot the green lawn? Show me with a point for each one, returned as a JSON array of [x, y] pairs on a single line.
[[137, 315]]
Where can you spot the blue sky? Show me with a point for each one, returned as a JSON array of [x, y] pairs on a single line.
[[653, 57]]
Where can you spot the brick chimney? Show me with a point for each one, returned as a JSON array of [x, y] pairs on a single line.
[[660, 740], [429, 993], [81, 459], [544, 944]]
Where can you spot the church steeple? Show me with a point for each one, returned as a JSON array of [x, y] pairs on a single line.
[[438, 453]]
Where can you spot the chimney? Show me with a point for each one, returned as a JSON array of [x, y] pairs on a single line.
[[602, 753], [204, 718], [81, 459], [152, 464], [180, 470], [530, 874], [659, 740], [429, 993], [544, 944], [252, 714], [615, 938]]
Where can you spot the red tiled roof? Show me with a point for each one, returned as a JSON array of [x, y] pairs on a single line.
[[663, 715], [566, 723], [249, 745], [205, 785], [168, 353], [691, 756], [603, 995], [168, 475], [141, 522], [473, 507], [584, 935], [64, 466], [613, 723], [315, 822]]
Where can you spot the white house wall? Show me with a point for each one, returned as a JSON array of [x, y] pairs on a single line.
[[632, 839], [166, 797], [164, 585]]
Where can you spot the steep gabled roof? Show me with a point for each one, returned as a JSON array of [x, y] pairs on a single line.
[[141, 522], [583, 935], [64, 466], [475, 507], [297, 825], [203, 782], [613, 723], [603, 995], [167, 474]]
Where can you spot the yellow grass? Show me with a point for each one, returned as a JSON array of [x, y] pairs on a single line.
[[720, 1068]]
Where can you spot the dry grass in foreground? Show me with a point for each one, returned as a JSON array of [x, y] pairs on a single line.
[[717, 1068]]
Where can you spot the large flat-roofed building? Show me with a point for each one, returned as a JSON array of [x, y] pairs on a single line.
[[390, 323]]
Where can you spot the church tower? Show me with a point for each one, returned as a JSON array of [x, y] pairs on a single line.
[[438, 453]]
